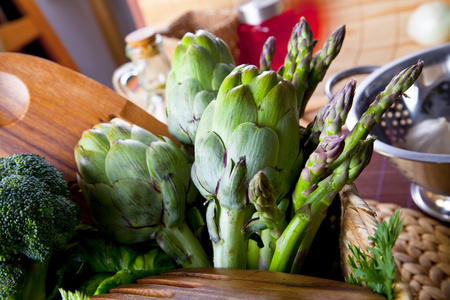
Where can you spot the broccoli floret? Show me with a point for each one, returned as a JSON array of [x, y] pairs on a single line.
[[37, 219], [12, 277]]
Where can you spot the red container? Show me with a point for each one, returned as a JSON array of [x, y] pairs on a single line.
[[252, 37]]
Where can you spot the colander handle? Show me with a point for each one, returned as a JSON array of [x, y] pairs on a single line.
[[331, 82]]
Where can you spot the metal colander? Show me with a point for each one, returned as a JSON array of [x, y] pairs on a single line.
[[428, 98]]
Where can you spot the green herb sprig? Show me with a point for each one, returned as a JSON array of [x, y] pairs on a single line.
[[377, 270]]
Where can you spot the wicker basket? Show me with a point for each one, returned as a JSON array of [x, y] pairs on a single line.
[[422, 251]]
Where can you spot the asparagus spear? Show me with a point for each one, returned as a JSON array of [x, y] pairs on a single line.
[[321, 62], [297, 242], [298, 59], [399, 84], [355, 165], [316, 167], [265, 61], [331, 118], [260, 194]]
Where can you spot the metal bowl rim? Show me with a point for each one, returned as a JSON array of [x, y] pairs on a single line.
[[380, 146]]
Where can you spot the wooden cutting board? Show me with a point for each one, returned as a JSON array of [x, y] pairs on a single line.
[[44, 108], [236, 284]]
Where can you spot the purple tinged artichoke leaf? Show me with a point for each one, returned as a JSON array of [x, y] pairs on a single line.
[[201, 101], [138, 202], [173, 194], [206, 120], [99, 197], [164, 158], [232, 187]]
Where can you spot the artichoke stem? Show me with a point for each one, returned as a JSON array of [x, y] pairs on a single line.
[[183, 246], [230, 251]]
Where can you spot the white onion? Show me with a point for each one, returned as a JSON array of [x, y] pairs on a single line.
[[429, 136], [429, 24]]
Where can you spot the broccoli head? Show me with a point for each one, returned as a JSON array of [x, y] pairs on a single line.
[[37, 216]]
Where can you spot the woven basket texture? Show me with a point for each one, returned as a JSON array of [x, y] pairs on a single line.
[[422, 251]]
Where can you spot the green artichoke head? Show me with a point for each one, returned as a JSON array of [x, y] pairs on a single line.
[[135, 183], [200, 63], [252, 126]]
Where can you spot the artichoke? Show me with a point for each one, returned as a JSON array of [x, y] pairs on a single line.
[[252, 126], [138, 187], [200, 63]]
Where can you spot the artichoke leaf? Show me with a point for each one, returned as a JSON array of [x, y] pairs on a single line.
[[201, 101], [119, 130], [176, 130], [164, 158], [95, 140], [225, 54], [127, 159], [207, 41], [211, 220], [180, 50], [232, 187], [143, 136], [208, 165], [173, 199], [197, 63], [248, 73], [140, 205], [104, 212], [182, 99], [103, 127], [262, 84], [274, 106], [230, 82], [289, 135], [206, 120], [260, 146], [221, 71], [91, 165], [238, 107]]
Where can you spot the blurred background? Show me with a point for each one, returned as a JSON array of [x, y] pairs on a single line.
[[92, 32]]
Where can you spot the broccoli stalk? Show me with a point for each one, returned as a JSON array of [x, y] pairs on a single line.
[[37, 219]]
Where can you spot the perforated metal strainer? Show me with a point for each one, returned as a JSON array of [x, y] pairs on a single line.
[[428, 98]]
